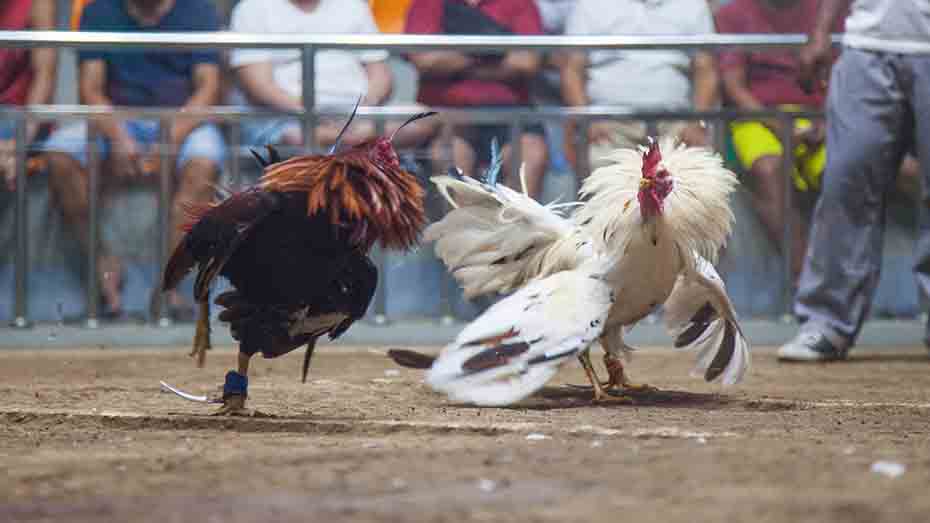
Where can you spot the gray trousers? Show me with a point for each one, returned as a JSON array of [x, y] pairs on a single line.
[[878, 107]]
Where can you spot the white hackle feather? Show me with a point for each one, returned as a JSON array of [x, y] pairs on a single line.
[[495, 239], [518, 344], [697, 210]]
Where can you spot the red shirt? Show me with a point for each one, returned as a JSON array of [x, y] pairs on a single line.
[[15, 65], [520, 16], [771, 74]]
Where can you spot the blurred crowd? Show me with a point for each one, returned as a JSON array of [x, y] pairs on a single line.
[[660, 80]]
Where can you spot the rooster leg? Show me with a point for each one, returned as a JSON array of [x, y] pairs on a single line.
[[236, 390], [618, 378], [614, 348], [600, 395], [202, 334]]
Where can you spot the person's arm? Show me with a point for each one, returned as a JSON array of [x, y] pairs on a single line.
[[433, 64], [92, 88], [44, 62], [706, 84], [737, 90], [705, 95], [514, 66], [573, 79], [206, 81], [816, 56], [380, 83]]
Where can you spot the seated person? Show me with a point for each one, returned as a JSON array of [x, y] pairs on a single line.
[[454, 79], [146, 78], [663, 80], [27, 77], [766, 79], [340, 76]]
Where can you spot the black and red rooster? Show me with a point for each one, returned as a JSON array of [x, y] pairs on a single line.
[[295, 248]]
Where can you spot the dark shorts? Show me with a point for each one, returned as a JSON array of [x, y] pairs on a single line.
[[479, 137]]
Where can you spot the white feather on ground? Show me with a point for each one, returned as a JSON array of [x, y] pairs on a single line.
[[518, 344]]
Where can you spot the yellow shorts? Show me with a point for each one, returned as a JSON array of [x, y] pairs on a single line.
[[753, 140]]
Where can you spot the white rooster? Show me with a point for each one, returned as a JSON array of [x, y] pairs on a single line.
[[648, 234]]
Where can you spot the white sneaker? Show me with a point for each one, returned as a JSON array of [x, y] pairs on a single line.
[[810, 346]]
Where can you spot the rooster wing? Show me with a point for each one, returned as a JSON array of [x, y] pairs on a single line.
[[214, 232], [518, 344], [699, 314], [495, 239]]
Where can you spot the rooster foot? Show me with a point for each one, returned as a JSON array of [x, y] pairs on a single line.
[[617, 377], [600, 394], [235, 406]]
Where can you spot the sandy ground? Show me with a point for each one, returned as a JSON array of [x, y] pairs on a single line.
[[86, 435]]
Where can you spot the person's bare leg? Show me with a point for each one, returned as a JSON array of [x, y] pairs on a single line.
[[69, 185], [768, 198], [534, 155], [463, 156], [195, 185]]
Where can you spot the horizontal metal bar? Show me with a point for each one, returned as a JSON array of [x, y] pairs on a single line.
[[478, 114], [394, 42]]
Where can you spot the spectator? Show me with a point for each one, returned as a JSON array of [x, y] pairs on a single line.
[[878, 97], [340, 76], [454, 79], [768, 79], [182, 79], [639, 80], [27, 76]]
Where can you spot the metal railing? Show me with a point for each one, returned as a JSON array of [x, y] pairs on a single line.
[[309, 115]]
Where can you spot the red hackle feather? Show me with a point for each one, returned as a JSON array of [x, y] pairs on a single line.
[[374, 200]]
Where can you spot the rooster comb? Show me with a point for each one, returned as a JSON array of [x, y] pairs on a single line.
[[651, 158]]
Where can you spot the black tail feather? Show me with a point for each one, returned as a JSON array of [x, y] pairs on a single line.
[[411, 359]]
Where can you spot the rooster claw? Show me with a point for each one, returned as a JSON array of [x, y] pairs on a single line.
[[235, 406], [188, 396]]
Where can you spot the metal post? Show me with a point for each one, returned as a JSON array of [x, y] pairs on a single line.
[[787, 140], [308, 96], [447, 285], [166, 162], [515, 152], [21, 318], [93, 233], [380, 297], [582, 158], [235, 138]]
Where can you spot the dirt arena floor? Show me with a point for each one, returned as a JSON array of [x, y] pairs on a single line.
[[86, 435]]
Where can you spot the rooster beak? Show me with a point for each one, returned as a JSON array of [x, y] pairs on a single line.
[[645, 183], [418, 116]]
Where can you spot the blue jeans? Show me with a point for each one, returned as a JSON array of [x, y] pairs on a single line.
[[204, 142]]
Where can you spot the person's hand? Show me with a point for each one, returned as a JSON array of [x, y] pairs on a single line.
[[8, 163], [815, 59], [125, 158], [600, 132], [695, 135], [813, 135]]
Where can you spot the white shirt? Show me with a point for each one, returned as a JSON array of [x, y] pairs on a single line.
[[894, 26], [640, 79], [339, 75]]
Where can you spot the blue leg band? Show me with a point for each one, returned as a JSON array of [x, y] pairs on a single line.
[[236, 385]]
